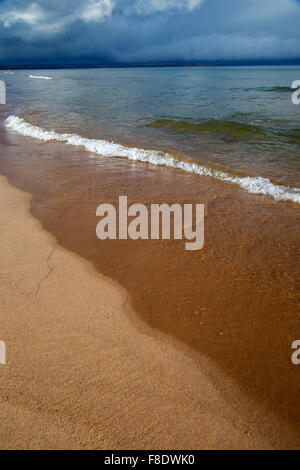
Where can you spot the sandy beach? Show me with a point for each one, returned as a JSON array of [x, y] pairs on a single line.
[[83, 371], [149, 227]]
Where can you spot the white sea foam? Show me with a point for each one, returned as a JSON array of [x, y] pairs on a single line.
[[256, 185], [40, 76]]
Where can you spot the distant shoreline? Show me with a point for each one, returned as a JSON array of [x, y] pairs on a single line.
[[154, 65]]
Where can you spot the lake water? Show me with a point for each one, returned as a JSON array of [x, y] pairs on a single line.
[[226, 122]]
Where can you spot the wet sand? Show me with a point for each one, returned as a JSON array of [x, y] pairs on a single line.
[[233, 305], [83, 371]]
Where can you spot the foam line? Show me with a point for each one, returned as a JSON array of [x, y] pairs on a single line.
[[255, 185], [40, 76]]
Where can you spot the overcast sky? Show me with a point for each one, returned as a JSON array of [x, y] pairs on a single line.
[[147, 31]]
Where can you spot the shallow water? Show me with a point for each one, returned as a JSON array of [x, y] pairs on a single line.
[[240, 119]]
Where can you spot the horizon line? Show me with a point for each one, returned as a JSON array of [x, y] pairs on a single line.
[[239, 63]]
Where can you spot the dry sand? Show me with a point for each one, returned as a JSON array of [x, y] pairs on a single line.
[[83, 371]]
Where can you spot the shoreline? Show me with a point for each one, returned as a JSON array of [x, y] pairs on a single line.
[[258, 185], [82, 373]]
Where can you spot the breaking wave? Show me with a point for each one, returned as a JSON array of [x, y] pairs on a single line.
[[40, 76], [255, 185]]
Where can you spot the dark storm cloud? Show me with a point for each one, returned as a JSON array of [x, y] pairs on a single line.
[[148, 31]]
